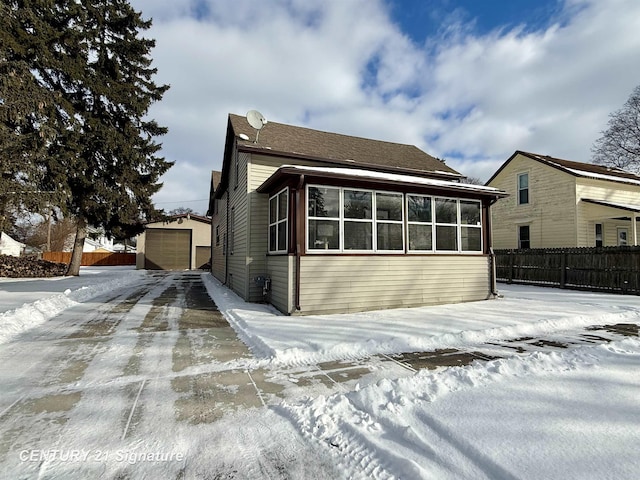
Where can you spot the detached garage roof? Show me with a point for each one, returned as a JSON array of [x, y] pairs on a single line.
[[176, 218]]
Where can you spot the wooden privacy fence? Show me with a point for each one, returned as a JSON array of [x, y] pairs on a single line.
[[93, 258], [613, 269]]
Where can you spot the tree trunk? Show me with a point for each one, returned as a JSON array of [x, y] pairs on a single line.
[[78, 245]]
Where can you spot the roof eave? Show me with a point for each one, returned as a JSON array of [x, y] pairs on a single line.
[[283, 174]]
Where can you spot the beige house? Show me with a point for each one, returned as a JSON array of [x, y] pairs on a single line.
[[183, 242], [561, 203], [317, 222]]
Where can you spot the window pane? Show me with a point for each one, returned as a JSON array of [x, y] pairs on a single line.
[[419, 208], [324, 234], [389, 236], [273, 209], [272, 238], [357, 204], [283, 202], [282, 236], [446, 210], [388, 206], [523, 196], [523, 188], [446, 238], [324, 202], [471, 239], [523, 180], [357, 236], [420, 237], [524, 235], [469, 213]]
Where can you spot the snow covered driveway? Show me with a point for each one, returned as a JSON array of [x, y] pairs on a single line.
[[135, 383], [139, 375]]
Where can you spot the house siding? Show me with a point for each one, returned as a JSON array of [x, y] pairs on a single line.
[[237, 234], [280, 269], [332, 284], [218, 260], [260, 168], [550, 213], [602, 190]]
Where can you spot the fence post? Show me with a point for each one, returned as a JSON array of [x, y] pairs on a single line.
[[510, 267], [563, 268]]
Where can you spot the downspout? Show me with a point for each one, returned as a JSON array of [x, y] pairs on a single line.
[[299, 231], [492, 255]]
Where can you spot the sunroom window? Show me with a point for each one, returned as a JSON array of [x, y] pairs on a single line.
[[324, 218], [278, 221], [353, 220], [448, 224], [420, 223], [358, 220], [389, 218]]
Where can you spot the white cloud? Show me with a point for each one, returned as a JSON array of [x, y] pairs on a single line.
[[346, 67]]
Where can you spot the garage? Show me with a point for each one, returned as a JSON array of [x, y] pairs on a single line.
[[168, 249], [179, 242]]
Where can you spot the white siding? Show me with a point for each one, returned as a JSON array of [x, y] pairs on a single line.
[[609, 191], [342, 283], [551, 212]]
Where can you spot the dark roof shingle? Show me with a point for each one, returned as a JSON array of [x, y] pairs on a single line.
[[315, 144]]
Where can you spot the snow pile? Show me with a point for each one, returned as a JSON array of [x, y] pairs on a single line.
[[29, 315], [291, 340], [555, 415]]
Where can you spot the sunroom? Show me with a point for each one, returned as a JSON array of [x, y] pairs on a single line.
[[346, 240]]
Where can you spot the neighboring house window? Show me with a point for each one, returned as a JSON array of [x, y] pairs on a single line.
[[217, 235], [524, 236], [343, 220], [232, 226], [622, 236], [279, 221], [523, 189], [598, 234]]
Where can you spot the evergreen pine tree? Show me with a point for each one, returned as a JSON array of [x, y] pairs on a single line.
[[102, 159]]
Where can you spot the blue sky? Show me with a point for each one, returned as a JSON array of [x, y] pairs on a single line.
[[469, 81], [423, 19]]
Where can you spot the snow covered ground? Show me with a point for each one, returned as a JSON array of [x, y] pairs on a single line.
[[563, 413]]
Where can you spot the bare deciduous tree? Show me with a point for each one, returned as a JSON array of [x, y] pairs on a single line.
[[619, 145]]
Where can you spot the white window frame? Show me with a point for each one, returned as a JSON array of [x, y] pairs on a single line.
[[520, 239], [518, 189], [400, 222], [434, 224], [415, 222], [277, 222], [340, 219], [469, 226]]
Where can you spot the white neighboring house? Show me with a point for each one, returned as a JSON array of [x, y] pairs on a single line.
[[9, 246], [96, 240]]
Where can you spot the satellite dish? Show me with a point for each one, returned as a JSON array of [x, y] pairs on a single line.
[[257, 121]]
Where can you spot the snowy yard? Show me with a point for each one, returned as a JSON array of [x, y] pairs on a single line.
[[554, 413]]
